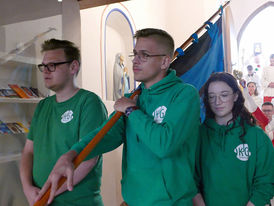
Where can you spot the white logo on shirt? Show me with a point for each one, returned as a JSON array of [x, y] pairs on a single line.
[[159, 114], [67, 116], [242, 152]]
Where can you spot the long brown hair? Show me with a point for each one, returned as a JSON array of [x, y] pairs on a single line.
[[238, 110]]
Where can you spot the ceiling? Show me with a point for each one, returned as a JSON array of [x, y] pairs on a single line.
[[84, 4], [24, 10], [13, 11]]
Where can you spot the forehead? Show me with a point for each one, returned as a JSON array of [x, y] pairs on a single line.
[[218, 87], [54, 55], [267, 107], [147, 44], [251, 84]]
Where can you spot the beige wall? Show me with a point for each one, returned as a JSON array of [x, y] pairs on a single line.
[[178, 17], [240, 15]]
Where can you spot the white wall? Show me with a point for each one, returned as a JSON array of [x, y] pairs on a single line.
[[241, 10]]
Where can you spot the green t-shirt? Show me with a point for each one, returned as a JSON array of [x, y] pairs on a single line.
[[54, 129]]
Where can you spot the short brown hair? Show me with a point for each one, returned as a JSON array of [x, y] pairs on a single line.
[[160, 36], [71, 51], [267, 104]]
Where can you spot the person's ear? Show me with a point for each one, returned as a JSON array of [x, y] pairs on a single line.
[[166, 62], [236, 97], [74, 66]]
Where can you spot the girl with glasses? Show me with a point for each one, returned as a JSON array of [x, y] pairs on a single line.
[[234, 157]]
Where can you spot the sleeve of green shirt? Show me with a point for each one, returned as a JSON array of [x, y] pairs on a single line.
[[113, 139], [263, 181], [33, 121], [181, 118], [93, 114]]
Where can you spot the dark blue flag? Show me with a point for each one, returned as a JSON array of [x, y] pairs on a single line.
[[202, 58]]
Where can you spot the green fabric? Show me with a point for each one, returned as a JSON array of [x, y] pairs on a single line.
[[159, 145], [230, 172], [53, 134]]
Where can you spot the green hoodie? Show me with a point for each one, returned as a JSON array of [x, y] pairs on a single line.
[[159, 145], [232, 172]]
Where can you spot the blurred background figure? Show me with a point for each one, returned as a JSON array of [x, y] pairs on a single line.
[[253, 92], [268, 111], [268, 80], [251, 76]]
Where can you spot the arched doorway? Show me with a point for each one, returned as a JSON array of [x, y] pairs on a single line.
[[256, 40], [116, 43]]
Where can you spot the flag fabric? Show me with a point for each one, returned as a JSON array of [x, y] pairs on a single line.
[[202, 58]]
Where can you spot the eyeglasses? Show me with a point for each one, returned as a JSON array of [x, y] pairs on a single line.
[[51, 67], [223, 97], [142, 56], [267, 110]]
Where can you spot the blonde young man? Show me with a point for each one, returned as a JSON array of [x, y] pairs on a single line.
[[59, 122]]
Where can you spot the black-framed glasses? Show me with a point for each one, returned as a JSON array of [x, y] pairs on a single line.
[[51, 67], [267, 110], [223, 97], [143, 56]]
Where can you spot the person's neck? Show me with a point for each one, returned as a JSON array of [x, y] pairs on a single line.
[[66, 93], [150, 83], [223, 120]]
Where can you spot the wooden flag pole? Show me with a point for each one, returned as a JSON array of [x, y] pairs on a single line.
[[84, 153], [190, 39]]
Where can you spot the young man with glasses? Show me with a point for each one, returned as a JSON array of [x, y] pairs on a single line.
[[159, 131], [59, 122], [268, 110]]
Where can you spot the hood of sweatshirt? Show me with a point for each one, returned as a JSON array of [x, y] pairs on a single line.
[[159, 87], [219, 133]]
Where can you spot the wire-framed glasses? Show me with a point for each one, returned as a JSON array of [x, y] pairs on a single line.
[[143, 56], [51, 67], [224, 97]]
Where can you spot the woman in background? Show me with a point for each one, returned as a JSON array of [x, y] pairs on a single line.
[[253, 92], [234, 157]]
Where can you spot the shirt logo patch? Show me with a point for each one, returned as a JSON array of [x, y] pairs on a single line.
[[67, 116], [159, 114], [242, 152]]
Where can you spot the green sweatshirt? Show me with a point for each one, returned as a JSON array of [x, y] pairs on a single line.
[[159, 145], [230, 172]]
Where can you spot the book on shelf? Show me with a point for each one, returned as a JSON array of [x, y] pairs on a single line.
[[29, 92], [20, 92], [1, 93], [8, 93], [22, 127], [36, 92], [4, 129], [13, 128]]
